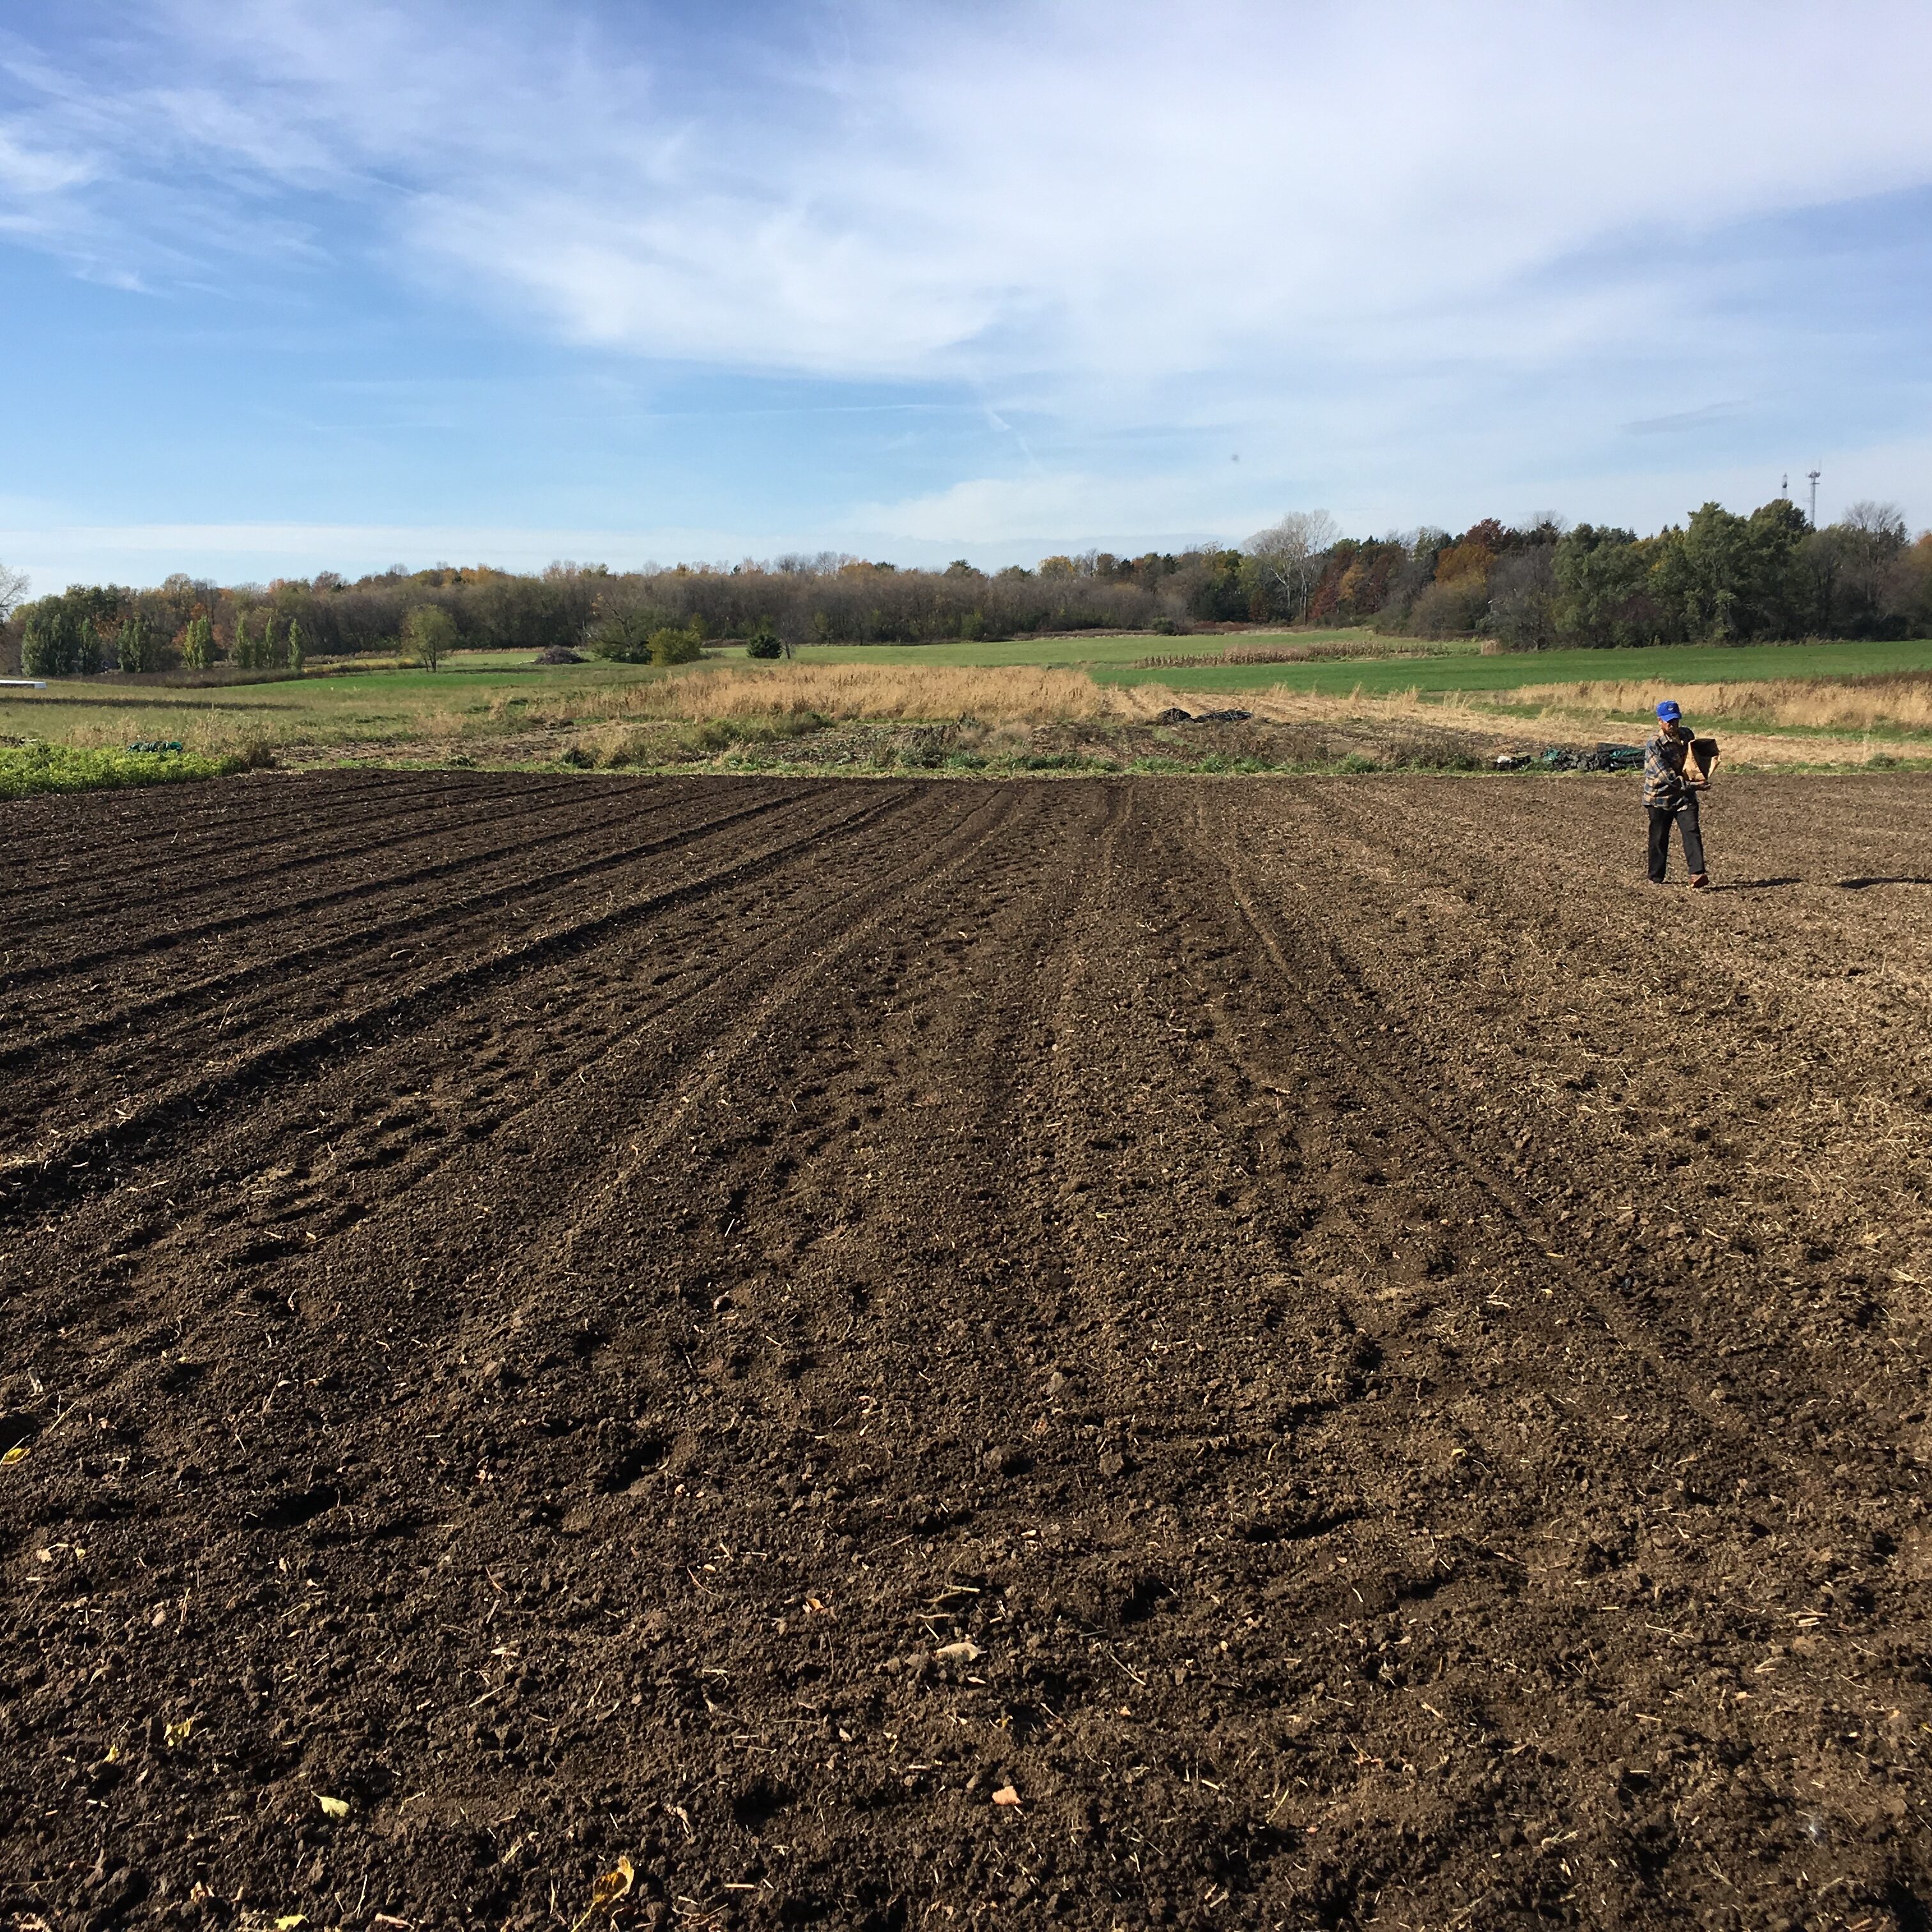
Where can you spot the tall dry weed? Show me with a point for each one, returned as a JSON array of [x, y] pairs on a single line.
[[1497, 720], [1901, 700]]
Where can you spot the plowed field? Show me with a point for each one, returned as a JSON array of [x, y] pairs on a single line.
[[896, 1355]]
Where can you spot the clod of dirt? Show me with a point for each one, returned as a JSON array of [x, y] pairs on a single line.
[[1112, 1593], [1005, 1458]]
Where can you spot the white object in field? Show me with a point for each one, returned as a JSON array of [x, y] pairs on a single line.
[[24, 683]]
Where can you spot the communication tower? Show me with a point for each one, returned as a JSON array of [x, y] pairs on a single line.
[[1814, 475]]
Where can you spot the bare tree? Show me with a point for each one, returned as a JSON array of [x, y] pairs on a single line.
[[1864, 546], [13, 591], [1882, 524], [1291, 550]]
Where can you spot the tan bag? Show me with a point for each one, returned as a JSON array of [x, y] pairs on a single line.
[[1699, 760]]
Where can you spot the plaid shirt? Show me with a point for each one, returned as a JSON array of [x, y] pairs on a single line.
[[1663, 758]]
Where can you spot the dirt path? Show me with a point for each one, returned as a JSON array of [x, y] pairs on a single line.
[[1361, 1366]]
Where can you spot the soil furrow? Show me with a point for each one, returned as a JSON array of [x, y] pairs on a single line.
[[259, 919], [317, 846], [28, 1181], [442, 920], [937, 1358], [128, 821]]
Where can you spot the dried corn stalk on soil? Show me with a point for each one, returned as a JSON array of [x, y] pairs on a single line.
[[1114, 1353]]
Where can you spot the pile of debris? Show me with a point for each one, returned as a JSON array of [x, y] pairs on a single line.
[[1173, 715], [1568, 758], [558, 654]]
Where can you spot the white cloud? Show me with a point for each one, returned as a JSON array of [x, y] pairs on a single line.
[[1077, 194], [1335, 237], [1011, 514]]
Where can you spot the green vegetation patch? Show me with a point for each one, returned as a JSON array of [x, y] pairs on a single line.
[[1672, 665], [26, 769], [1085, 650]]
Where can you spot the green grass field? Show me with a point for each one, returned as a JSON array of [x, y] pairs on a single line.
[[472, 689], [1457, 667], [1096, 651]]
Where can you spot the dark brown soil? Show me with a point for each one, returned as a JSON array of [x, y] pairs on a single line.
[[1362, 1365]]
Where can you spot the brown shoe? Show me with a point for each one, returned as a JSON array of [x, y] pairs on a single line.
[[1701, 882]]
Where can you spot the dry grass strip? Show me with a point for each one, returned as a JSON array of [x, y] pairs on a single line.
[[993, 694], [1899, 699]]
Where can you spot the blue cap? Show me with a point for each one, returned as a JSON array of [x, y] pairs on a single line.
[[1668, 709]]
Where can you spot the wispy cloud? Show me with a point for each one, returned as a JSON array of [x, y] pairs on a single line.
[[1685, 421], [1290, 230], [1122, 191]]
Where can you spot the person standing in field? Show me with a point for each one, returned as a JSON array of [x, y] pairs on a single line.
[[1671, 797]]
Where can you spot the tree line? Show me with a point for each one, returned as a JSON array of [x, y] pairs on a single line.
[[1718, 576]]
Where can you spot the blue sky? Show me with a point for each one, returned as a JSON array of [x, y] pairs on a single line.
[[285, 286]]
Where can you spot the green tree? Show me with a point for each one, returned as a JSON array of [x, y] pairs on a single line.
[[244, 644], [429, 633], [297, 655], [1724, 576], [1604, 594], [88, 658], [47, 645], [673, 646], [136, 644], [763, 640], [198, 646], [257, 657], [624, 636]]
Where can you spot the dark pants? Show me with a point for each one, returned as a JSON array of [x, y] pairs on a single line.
[[1685, 812]]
